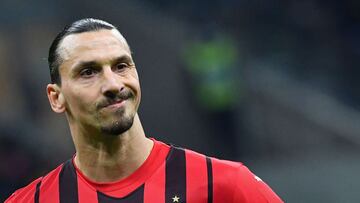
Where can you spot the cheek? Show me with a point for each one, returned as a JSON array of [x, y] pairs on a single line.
[[80, 100], [133, 81], [137, 89], [135, 77]]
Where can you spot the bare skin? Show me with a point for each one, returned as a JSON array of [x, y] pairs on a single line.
[[96, 66], [113, 159]]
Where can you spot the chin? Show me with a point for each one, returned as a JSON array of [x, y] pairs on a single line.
[[118, 127]]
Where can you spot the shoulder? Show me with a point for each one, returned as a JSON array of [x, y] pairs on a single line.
[[232, 181], [25, 193], [240, 183], [28, 193]]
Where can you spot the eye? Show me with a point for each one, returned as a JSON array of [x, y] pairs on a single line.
[[121, 66], [88, 72]]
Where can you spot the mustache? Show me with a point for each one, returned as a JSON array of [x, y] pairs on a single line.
[[115, 98]]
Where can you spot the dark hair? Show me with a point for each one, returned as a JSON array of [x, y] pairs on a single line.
[[80, 26]]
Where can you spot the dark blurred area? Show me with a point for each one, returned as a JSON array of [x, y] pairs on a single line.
[[272, 84]]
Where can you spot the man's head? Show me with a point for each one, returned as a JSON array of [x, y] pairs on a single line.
[[93, 76], [80, 26]]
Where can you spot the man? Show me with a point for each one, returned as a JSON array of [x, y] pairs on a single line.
[[95, 83]]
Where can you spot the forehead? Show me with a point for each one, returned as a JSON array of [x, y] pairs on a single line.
[[95, 45]]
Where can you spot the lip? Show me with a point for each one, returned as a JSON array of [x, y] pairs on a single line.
[[117, 104]]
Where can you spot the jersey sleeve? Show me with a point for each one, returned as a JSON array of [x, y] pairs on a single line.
[[250, 188]]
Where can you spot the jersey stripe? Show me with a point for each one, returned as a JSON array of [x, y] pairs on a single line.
[[37, 192], [87, 194], [26, 194], [175, 181], [49, 189], [68, 184], [210, 179], [196, 178], [135, 197], [155, 187], [224, 181]]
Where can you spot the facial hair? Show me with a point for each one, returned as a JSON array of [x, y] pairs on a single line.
[[124, 120], [118, 127]]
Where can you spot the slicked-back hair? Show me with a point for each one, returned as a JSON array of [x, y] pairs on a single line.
[[80, 26]]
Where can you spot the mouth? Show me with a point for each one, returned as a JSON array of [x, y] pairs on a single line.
[[116, 104], [117, 101]]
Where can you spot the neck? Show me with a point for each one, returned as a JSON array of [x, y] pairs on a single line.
[[105, 158]]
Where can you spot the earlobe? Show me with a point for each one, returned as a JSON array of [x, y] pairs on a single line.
[[56, 98]]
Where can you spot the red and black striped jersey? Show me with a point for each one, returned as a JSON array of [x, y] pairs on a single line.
[[168, 175]]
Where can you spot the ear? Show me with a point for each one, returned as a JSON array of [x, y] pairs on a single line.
[[56, 98]]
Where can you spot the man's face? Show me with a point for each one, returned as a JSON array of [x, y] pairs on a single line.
[[99, 82]]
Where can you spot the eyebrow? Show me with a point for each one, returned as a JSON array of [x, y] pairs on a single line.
[[124, 58], [83, 64]]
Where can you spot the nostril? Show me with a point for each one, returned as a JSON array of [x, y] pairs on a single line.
[[110, 94]]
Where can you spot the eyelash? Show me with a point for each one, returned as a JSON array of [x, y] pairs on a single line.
[[83, 72], [123, 66]]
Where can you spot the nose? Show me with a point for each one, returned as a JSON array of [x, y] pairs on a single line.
[[112, 86]]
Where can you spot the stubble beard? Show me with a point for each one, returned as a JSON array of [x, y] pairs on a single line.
[[118, 126]]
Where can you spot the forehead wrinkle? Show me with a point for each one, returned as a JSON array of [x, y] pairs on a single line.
[[75, 43]]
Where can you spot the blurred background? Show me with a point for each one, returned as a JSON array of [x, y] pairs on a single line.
[[273, 84]]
